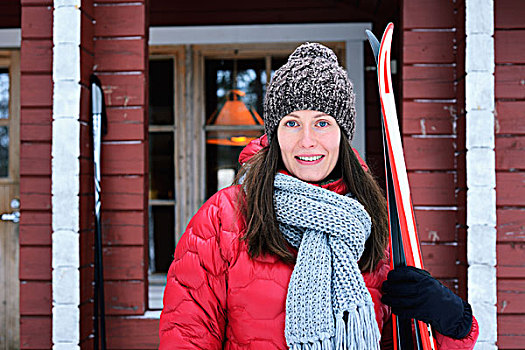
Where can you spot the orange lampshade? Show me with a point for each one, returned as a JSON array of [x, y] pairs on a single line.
[[233, 113]]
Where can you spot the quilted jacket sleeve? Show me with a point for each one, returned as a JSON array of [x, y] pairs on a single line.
[[467, 343], [194, 300]]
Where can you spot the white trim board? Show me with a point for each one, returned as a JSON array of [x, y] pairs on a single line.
[[10, 38], [481, 169], [269, 33], [353, 34], [65, 177]]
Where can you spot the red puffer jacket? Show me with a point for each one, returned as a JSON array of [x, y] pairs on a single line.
[[218, 297]]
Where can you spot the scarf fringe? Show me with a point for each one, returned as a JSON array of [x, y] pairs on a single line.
[[325, 344], [359, 332]]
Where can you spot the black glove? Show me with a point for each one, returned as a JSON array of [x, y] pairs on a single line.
[[414, 293]]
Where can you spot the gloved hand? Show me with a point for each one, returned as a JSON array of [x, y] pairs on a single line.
[[414, 293]]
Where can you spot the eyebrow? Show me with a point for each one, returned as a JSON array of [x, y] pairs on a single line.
[[316, 116]]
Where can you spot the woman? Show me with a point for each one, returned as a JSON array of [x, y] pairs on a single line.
[[293, 256]]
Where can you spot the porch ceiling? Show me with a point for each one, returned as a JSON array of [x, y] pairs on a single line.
[[177, 12], [10, 14]]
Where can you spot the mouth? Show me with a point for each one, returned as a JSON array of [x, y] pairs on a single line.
[[309, 159]]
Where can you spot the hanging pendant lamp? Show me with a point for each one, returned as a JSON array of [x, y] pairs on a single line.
[[234, 124]]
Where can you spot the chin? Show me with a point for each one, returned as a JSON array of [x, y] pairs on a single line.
[[310, 177]]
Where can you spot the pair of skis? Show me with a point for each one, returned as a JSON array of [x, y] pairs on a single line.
[[404, 243]]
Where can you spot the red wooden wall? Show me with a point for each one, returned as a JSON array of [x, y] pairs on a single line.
[[86, 196], [35, 174], [120, 61], [509, 37], [433, 127]]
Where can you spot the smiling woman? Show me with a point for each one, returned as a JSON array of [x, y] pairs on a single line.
[[293, 255]]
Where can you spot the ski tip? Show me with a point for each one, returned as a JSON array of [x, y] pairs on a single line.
[[371, 37], [389, 27], [374, 43]]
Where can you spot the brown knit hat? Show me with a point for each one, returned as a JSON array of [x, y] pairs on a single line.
[[312, 79]]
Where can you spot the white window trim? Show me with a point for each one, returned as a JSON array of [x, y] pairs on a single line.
[[481, 169], [353, 34], [10, 38]]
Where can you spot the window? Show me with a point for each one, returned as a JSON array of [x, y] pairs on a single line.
[[161, 174]]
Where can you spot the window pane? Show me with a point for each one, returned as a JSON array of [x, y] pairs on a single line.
[[161, 92], [4, 151], [161, 165], [162, 224], [249, 78], [4, 93], [219, 158]]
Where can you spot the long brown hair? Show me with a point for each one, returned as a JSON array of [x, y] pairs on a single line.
[[256, 203]]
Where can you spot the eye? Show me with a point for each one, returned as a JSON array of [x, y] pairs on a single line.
[[291, 123], [323, 123]]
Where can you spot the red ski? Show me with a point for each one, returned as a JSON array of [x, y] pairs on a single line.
[[403, 234]]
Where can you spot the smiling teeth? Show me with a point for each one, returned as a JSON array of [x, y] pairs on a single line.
[[310, 159]]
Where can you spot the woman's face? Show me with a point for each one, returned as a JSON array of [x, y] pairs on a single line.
[[309, 143]]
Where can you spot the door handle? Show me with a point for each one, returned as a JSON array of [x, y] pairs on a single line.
[[14, 216]]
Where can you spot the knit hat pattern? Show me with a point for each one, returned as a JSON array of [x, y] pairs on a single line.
[[311, 79]]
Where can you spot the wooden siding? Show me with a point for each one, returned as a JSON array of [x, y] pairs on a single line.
[[509, 45], [35, 174], [86, 197], [119, 47], [434, 134]]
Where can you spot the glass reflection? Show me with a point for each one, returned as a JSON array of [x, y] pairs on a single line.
[[161, 92], [4, 94], [247, 75], [4, 151], [161, 165]]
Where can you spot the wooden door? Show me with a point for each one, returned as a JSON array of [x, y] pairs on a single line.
[[9, 194]]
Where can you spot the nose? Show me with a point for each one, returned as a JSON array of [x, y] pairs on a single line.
[[308, 138]]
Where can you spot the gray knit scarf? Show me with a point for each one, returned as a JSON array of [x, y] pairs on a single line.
[[330, 231]]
